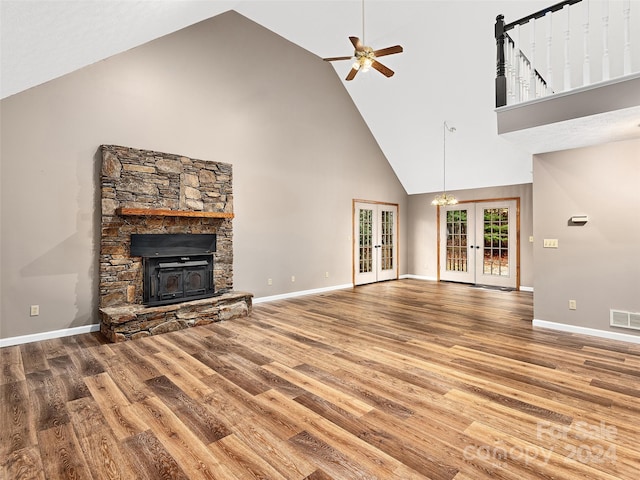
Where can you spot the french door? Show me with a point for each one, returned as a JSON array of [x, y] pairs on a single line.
[[375, 238], [478, 243]]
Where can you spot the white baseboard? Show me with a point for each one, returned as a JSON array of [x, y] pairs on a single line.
[[526, 289], [623, 337], [301, 293], [419, 277], [36, 337]]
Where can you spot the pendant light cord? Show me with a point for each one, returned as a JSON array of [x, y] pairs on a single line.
[[444, 158], [444, 154], [363, 42]]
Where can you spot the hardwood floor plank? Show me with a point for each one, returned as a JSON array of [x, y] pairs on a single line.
[[231, 373], [53, 347], [23, 464], [17, 425], [242, 460], [369, 458], [193, 414], [127, 382], [33, 358], [115, 407], [347, 402], [49, 406], [236, 405], [539, 462], [563, 389], [345, 385], [186, 361], [630, 391], [274, 449], [264, 377], [182, 444], [62, 457], [331, 460], [11, 367], [378, 436], [68, 378], [100, 448], [129, 354], [222, 341], [192, 385], [318, 475], [84, 358], [150, 458]]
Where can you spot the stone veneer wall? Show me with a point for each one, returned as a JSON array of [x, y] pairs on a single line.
[[134, 178]]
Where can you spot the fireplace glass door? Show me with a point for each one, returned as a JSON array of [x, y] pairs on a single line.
[[178, 279]]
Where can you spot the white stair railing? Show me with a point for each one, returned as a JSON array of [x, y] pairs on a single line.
[[519, 63]]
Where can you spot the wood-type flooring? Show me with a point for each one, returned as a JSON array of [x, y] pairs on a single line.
[[405, 379]]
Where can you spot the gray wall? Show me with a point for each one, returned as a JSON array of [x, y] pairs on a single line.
[[423, 228], [225, 89], [597, 264]]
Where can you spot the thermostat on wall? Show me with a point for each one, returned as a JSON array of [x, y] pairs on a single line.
[[579, 219]]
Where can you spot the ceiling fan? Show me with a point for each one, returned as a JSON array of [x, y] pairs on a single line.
[[365, 57]]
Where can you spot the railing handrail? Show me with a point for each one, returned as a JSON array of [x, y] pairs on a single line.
[[539, 14]]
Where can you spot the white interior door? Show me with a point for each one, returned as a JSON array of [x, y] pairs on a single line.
[[375, 242], [478, 243]]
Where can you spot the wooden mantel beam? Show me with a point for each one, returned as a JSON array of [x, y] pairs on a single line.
[[150, 212]]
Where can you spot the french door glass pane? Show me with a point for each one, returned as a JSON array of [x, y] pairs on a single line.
[[365, 245], [496, 241], [457, 241], [387, 240]]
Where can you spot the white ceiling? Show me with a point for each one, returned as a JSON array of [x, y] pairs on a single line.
[[445, 73]]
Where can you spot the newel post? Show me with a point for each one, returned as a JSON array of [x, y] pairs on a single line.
[[501, 79]]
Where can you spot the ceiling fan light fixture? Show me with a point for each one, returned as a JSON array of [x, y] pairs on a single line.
[[364, 59]]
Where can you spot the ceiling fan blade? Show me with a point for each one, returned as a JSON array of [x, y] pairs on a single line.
[[388, 51], [357, 44], [387, 72], [352, 74], [331, 59]]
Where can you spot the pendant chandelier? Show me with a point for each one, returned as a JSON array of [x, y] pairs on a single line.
[[444, 198]]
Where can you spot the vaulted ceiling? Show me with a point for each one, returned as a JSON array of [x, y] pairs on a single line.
[[445, 73]]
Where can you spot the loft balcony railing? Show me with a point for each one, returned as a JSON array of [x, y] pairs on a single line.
[[526, 76]]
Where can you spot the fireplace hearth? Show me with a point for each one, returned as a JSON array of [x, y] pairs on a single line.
[[177, 267]]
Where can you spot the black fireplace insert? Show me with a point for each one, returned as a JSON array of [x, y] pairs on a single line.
[[177, 267]]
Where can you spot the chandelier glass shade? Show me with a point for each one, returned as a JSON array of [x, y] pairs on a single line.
[[444, 198]]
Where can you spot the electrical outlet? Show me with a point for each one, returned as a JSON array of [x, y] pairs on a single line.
[[293, 278], [269, 281], [572, 305], [326, 274], [35, 310]]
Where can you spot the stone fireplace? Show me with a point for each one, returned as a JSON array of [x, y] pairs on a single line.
[[184, 205]]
